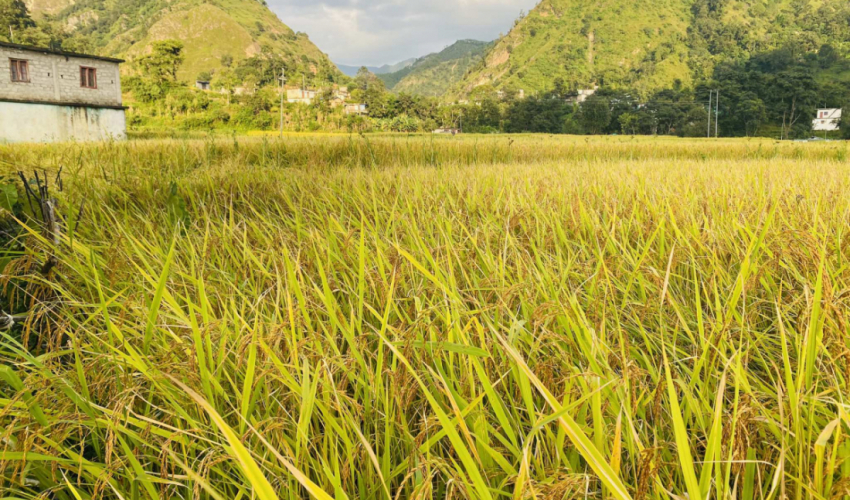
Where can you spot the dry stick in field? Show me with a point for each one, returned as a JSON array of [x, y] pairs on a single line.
[[51, 227], [47, 208]]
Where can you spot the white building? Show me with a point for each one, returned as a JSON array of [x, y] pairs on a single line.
[[301, 96], [827, 120], [584, 94], [355, 109], [49, 95]]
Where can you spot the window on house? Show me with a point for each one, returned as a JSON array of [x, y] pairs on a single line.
[[20, 70], [88, 77]]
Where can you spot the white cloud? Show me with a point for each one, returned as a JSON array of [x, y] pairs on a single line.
[[386, 31]]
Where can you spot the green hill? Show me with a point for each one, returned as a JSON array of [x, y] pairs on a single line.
[[435, 73], [378, 70], [214, 32], [650, 44]]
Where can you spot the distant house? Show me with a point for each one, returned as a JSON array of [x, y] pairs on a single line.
[[448, 131], [583, 95], [827, 120], [301, 96], [49, 95], [355, 109], [201, 85]]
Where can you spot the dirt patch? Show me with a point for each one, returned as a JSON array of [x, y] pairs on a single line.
[[499, 58]]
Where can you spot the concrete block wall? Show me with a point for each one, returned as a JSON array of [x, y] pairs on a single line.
[[55, 78]]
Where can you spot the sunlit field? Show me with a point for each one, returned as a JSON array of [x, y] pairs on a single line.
[[508, 317]]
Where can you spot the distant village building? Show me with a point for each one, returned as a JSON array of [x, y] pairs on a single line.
[[355, 109], [301, 96], [582, 95], [201, 85], [50, 95], [342, 93], [448, 131], [243, 90], [827, 120], [336, 98]]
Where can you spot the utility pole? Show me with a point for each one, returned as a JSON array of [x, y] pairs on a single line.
[[710, 95], [282, 91], [717, 115]]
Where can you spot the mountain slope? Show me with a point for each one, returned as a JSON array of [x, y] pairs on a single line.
[[211, 31], [378, 70], [650, 44], [436, 73]]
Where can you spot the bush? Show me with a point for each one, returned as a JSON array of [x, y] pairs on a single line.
[[221, 116], [197, 122]]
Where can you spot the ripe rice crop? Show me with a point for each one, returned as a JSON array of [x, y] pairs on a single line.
[[406, 317]]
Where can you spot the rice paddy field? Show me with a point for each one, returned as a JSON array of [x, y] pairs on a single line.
[[508, 317]]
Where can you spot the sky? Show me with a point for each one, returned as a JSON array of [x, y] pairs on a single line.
[[376, 32]]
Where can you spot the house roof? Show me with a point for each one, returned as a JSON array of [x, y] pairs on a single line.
[[44, 50]]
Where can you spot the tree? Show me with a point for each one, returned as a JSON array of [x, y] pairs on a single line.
[[629, 123], [366, 80], [226, 80], [845, 122], [561, 89], [17, 26], [15, 16], [163, 62], [795, 91], [595, 114], [754, 112], [827, 56]]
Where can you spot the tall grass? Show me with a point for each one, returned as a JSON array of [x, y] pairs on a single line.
[[395, 318]]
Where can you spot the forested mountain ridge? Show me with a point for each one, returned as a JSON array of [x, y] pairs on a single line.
[[648, 45], [378, 70], [215, 33], [435, 73]]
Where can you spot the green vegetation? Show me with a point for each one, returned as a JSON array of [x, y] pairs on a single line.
[[18, 26], [772, 95], [215, 34], [646, 45], [435, 74], [472, 318]]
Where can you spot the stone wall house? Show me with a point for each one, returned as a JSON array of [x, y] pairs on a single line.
[[48, 95]]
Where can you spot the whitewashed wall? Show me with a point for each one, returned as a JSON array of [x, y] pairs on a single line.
[[23, 122]]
